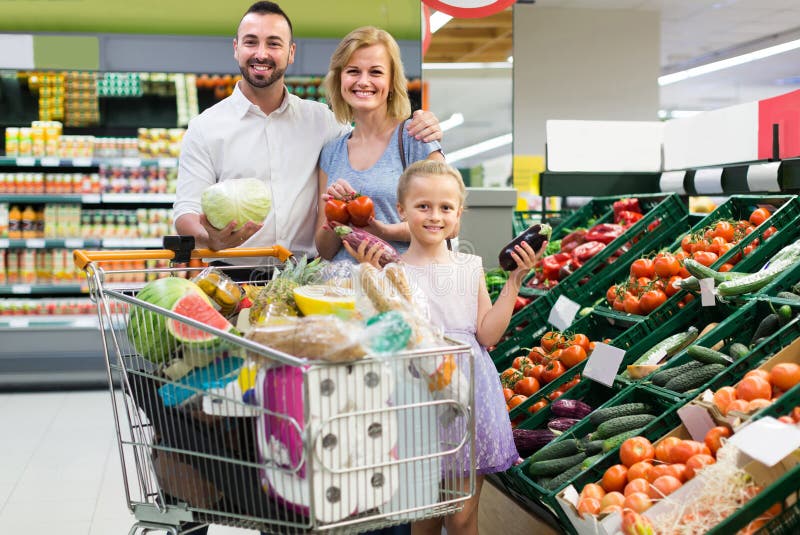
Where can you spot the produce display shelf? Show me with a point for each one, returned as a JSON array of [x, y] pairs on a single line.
[[665, 409], [522, 219], [785, 217], [739, 327]]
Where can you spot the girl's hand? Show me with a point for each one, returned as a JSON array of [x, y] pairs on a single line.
[[362, 254], [526, 259], [341, 190]]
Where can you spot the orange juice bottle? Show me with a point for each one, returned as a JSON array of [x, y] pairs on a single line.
[[29, 222], [14, 222]]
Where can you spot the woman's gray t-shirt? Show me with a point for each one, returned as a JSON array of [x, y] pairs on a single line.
[[379, 182]]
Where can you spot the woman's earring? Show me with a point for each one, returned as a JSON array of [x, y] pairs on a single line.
[[390, 95]]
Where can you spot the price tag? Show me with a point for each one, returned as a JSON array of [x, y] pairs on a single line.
[[90, 199], [563, 313], [168, 163], [81, 162], [51, 162], [707, 293], [655, 358], [767, 440], [603, 364], [697, 421], [4, 243], [26, 161], [571, 495], [131, 162], [35, 244], [20, 288], [73, 243], [18, 323]]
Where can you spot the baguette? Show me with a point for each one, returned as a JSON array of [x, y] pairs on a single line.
[[397, 276]]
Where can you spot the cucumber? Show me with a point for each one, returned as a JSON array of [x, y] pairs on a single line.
[[707, 355], [754, 281], [591, 446], [738, 350], [694, 379], [690, 283], [564, 478], [661, 378], [784, 314], [554, 467], [609, 413], [790, 296], [589, 461], [556, 450], [670, 345], [616, 441], [769, 325], [700, 271], [619, 425]]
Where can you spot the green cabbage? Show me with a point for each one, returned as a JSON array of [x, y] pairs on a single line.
[[240, 200]]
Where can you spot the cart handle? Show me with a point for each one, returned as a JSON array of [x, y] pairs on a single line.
[[82, 257]]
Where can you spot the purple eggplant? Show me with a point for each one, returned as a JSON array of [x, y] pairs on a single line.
[[529, 441], [561, 424], [570, 408], [535, 236]]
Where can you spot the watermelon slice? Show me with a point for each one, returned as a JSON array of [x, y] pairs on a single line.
[[198, 308]]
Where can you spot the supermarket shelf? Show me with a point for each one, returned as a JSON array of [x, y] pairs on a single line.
[[42, 289], [77, 321], [137, 198], [90, 198], [54, 243], [132, 243], [28, 161]]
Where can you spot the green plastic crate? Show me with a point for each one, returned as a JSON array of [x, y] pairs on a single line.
[[522, 328], [786, 218], [665, 408], [522, 219], [601, 210], [786, 523], [739, 327], [597, 327], [783, 283]]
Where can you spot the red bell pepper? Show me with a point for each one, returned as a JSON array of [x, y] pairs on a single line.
[[604, 232], [521, 302], [627, 218], [584, 252], [572, 240], [630, 204], [552, 264]]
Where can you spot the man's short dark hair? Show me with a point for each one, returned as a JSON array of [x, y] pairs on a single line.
[[268, 8]]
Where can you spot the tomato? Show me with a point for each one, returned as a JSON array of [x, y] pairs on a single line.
[[573, 355], [725, 267], [769, 232], [671, 287], [535, 372], [677, 470], [652, 300], [757, 404], [714, 437], [361, 210], [553, 371], [686, 243], [581, 340], [593, 490], [663, 447], [642, 267], [636, 449], [521, 363], [588, 506], [748, 249], [724, 230], [657, 471], [723, 398], [785, 375], [636, 485], [619, 304], [716, 245], [516, 401], [753, 387], [631, 304], [795, 414], [666, 265], [639, 470], [700, 246], [538, 355], [738, 405], [611, 295], [572, 382], [637, 502], [510, 376], [663, 486], [758, 372], [336, 210], [758, 216], [536, 407], [527, 386], [696, 463], [615, 478], [550, 340], [683, 450], [705, 257]]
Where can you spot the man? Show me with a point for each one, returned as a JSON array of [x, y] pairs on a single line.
[[263, 131]]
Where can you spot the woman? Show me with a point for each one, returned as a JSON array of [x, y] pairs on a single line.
[[366, 85]]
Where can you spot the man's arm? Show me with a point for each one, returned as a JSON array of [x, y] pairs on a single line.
[[208, 237], [424, 126]]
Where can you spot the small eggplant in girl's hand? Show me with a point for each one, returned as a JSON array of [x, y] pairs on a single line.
[[535, 236]]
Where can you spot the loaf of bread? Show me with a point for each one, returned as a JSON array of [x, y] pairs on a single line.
[[318, 337]]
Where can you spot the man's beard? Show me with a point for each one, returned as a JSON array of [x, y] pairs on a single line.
[[277, 74]]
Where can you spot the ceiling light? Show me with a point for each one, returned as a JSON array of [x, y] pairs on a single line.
[[677, 114], [510, 59], [455, 120], [462, 66], [727, 63], [438, 20], [478, 148]]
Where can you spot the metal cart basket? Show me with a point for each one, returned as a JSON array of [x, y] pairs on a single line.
[[255, 438]]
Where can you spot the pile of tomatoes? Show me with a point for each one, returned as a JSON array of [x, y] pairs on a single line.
[[556, 353], [757, 389], [653, 280]]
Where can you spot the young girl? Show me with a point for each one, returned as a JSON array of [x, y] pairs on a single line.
[[431, 199]]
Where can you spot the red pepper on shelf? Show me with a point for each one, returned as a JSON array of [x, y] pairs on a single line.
[[572, 240], [627, 218], [551, 265], [521, 302], [584, 252], [604, 232], [629, 204]]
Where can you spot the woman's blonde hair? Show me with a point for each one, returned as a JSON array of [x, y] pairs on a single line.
[[427, 169], [399, 106]]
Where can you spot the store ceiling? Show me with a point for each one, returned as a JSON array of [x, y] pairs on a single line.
[[692, 32]]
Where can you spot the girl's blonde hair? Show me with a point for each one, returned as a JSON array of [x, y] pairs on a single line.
[[427, 169], [399, 106]]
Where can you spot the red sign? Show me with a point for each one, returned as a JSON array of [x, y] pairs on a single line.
[[469, 9], [784, 111]]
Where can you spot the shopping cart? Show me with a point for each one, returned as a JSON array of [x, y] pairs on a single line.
[[294, 446]]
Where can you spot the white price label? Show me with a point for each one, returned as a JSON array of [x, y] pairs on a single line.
[[130, 162], [90, 199], [81, 162], [696, 420], [655, 358], [26, 161], [563, 313], [20, 288], [51, 162], [603, 364], [35, 244], [707, 292], [18, 323], [571, 495], [767, 440], [168, 163], [73, 244], [4, 243]]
